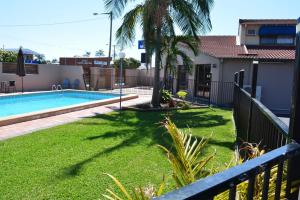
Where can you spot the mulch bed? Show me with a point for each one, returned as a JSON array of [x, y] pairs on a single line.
[[164, 107]]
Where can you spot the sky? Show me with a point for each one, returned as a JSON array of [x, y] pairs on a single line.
[[91, 33]]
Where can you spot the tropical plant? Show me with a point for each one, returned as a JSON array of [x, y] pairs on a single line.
[[128, 63], [172, 50], [158, 19], [7, 56], [166, 96], [140, 193], [183, 104], [187, 160], [250, 151], [182, 94], [54, 61], [99, 53], [40, 59], [87, 54]]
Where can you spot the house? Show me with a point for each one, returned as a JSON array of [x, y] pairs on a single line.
[[29, 55], [269, 41]]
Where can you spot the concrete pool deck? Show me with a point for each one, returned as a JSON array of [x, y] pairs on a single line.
[[27, 127]]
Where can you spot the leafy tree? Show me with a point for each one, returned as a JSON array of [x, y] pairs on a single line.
[[8, 56], [158, 18], [54, 61], [99, 53], [128, 63], [87, 54], [40, 59]]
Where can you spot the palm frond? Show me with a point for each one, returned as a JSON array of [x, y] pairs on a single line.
[[116, 6], [187, 162], [126, 33]]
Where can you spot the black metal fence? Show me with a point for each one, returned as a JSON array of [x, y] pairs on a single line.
[[257, 124], [254, 123], [227, 182]]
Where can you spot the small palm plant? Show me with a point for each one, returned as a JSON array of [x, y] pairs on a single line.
[[252, 151], [187, 160], [145, 193]]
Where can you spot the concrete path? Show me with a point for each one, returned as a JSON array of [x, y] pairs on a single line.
[[23, 128]]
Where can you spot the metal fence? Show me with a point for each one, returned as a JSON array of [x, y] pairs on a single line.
[[257, 124], [254, 123]]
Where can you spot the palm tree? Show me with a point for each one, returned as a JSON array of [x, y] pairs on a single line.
[[156, 17], [172, 51], [99, 53]]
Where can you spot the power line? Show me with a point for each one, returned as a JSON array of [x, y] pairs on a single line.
[[43, 43], [51, 24]]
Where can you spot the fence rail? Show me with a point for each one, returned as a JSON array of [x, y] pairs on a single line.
[[262, 127], [228, 180]]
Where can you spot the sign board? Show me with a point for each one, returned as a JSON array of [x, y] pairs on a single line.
[[96, 62], [141, 44], [143, 57]]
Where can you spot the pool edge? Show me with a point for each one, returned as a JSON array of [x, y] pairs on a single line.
[[58, 111]]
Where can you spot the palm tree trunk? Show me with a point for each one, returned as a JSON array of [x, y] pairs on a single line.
[[165, 76], [156, 87]]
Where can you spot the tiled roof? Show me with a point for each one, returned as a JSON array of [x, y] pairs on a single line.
[[268, 21], [225, 47]]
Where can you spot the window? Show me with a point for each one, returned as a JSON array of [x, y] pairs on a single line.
[[277, 40], [251, 32], [285, 40], [268, 40]]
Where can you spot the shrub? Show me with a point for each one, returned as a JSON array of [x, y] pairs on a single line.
[[182, 94], [166, 96]]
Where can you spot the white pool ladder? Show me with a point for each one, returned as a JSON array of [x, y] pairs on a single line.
[[56, 87]]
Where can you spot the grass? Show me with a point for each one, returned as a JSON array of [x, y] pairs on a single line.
[[67, 162]]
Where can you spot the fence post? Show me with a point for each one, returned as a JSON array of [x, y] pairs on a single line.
[[253, 96], [294, 128], [241, 78], [236, 77]]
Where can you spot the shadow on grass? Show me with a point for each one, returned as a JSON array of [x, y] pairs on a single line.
[[141, 125]]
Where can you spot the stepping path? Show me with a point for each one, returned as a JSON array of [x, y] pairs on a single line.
[[23, 128]]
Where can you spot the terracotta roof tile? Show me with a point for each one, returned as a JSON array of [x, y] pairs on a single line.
[[225, 47]]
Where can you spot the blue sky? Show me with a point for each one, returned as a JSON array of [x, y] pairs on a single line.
[[75, 39]]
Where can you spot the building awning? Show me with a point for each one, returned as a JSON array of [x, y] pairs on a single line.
[[277, 30]]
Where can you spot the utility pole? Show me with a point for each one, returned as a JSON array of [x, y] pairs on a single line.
[[110, 38], [114, 52], [110, 34]]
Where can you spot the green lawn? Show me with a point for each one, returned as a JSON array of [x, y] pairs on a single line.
[[67, 162]]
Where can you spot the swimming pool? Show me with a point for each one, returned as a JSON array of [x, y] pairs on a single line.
[[43, 104]]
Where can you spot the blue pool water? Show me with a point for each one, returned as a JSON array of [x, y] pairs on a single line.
[[21, 104]]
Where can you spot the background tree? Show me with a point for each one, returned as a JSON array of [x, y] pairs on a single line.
[[41, 59], [99, 53], [54, 61], [8, 56], [157, 17], [87, 54], [172, 50], [128, 63]]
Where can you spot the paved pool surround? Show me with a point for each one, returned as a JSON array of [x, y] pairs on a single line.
[[4, 121]]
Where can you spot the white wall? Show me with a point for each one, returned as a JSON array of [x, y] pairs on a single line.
[[48, 75], [274, 78]]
